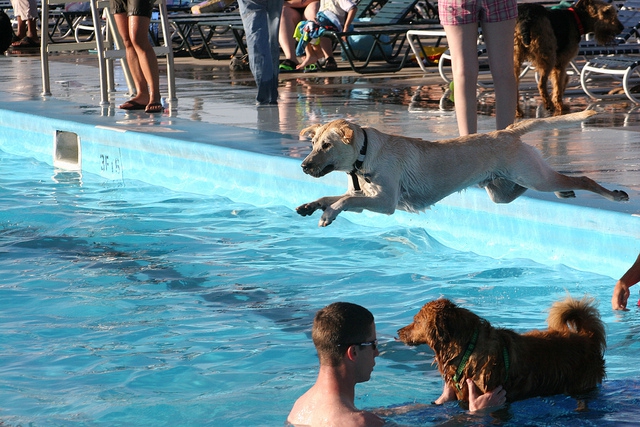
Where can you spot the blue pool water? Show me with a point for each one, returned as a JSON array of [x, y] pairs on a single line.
[[123, 303]]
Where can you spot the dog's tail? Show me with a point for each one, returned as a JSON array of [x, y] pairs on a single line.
[[578, 316], [554, 122]]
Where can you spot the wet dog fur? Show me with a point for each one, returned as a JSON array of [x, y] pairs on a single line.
[[566, 358], [412, 174], [549, 39]]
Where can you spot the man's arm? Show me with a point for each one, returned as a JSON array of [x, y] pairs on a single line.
[[489, 400], [621, 290]]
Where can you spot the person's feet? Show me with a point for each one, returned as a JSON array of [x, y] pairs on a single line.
[[132, 105], [288, 65], [24, 42], [328, 63], [154, 107], [137, 103], [307, 61]]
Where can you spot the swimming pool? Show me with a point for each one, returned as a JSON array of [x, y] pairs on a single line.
[[125, 303], [189, 302]]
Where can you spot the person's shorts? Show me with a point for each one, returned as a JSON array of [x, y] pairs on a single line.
[[133, 7], [25, 9], [460, 12]]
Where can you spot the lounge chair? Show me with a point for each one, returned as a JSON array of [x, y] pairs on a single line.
[[207, 26], [616, 61]]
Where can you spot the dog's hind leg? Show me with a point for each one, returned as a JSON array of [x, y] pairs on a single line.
[[559, 80], [502, 190], [530, 170], [543, 79], [519, 56]]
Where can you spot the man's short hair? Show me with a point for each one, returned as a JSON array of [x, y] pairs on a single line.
[[336, 327]]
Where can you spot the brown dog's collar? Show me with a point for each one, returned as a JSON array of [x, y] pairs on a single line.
[[457, 378], [359, 161], [578, 21]]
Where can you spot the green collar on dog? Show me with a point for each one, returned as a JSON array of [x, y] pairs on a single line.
[[467, 354], [465, 359]]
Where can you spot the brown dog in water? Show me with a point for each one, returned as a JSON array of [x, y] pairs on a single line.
[[567, 358]]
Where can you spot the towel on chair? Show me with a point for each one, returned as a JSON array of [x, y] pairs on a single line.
[[310, 31]]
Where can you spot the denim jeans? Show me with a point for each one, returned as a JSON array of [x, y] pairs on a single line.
[[261, 21]]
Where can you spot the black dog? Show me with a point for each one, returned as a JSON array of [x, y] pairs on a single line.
[[6, 32]]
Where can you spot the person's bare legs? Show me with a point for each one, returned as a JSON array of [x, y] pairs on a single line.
[[142, 91], [26, 28], [326, 46], [139, 31], [32, 29], [288, 22], [500, 53], [141, 58], [22, 27], [313, 54], [290, 19], [462, 40]]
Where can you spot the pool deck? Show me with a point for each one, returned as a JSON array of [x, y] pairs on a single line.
[[217, 106]]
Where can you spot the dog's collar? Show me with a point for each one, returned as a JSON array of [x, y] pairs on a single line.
[[578, 21], [505, 356], [359, 161], [467, 354], [465, 359]]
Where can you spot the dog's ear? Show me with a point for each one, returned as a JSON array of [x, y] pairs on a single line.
[[442, 328], [446, 320], [346, 132], [310, 131]]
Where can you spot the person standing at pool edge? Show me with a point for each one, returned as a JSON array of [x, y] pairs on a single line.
[[261, 21], [460, 19], [621, 290], [344, 335], [132, 19]]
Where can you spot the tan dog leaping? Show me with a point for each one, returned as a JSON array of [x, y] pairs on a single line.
[[390, 172]]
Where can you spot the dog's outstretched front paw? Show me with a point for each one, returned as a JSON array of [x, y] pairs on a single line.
[[308, 208], [328, 216]]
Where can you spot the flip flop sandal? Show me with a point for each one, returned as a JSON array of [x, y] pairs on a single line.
[[132, 105], [287, 66], [311, 68], [330, 64], [26, 43]]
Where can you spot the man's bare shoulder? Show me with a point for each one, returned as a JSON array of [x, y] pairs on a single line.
[[310, 412]]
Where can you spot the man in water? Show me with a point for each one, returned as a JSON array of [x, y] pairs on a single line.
[[344, 335]]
